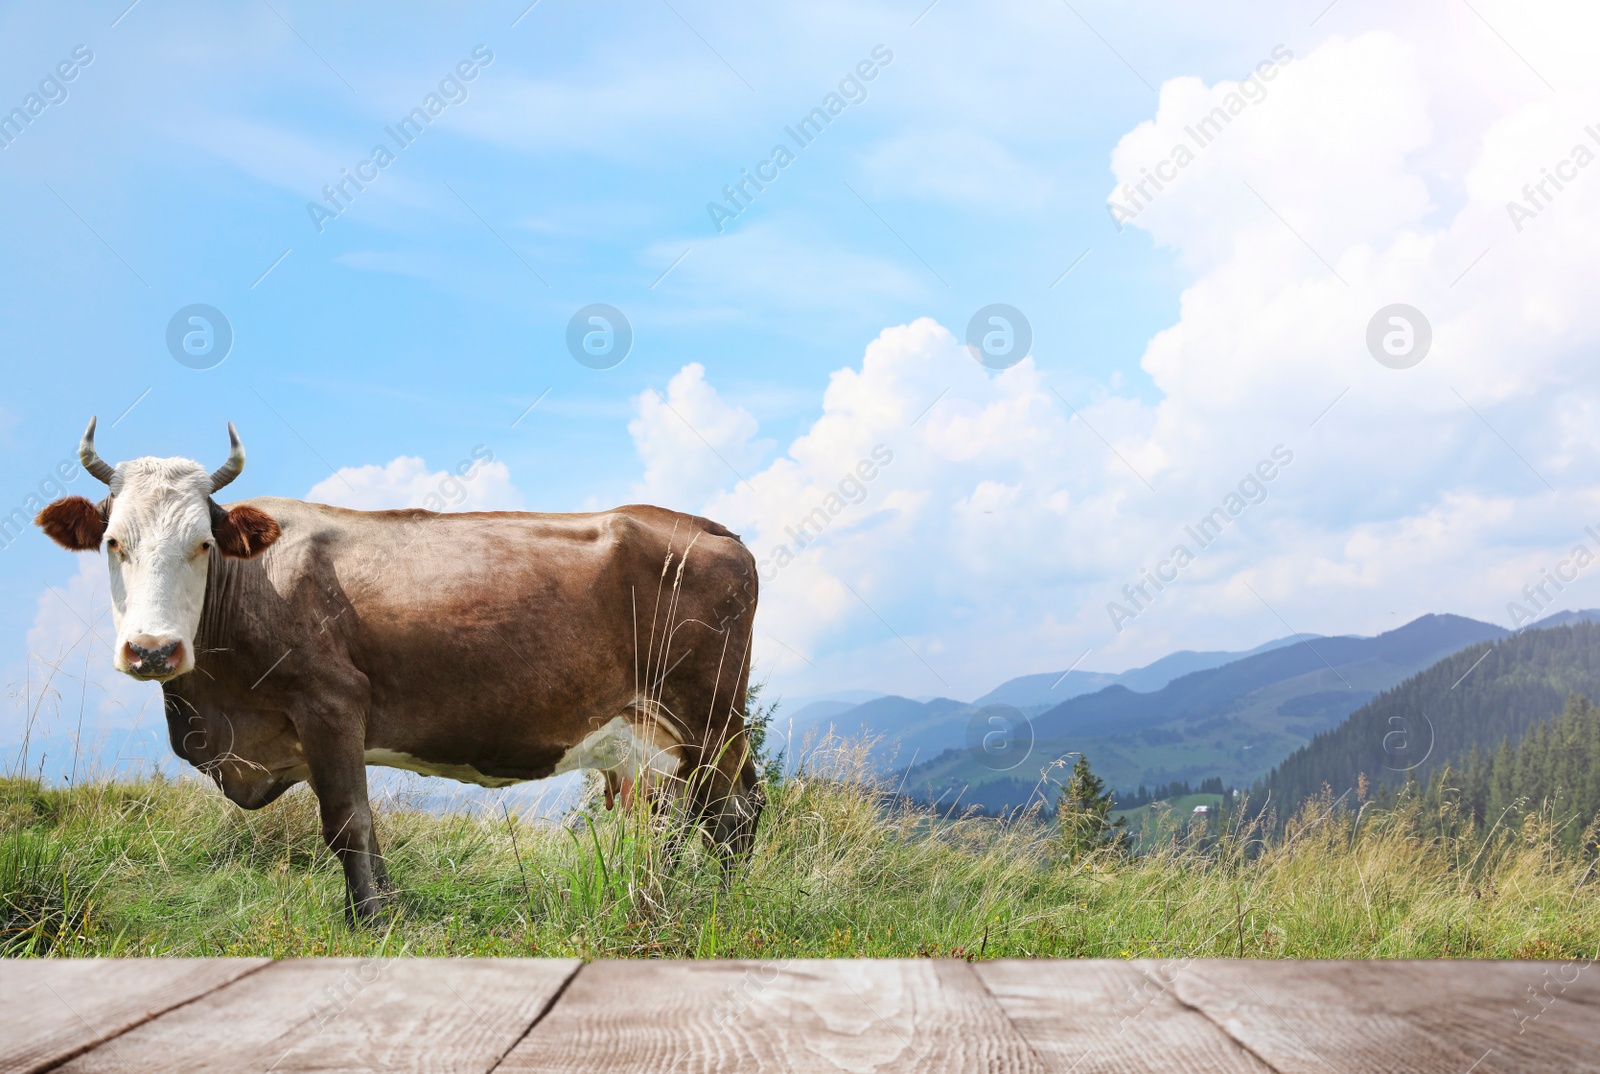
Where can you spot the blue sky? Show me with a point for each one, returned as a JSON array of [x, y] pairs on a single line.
[[1225, 320]]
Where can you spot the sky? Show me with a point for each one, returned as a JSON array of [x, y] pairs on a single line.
[[1066, 279]]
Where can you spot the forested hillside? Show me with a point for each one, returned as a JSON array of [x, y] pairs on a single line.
[[1556, 765], [1474, 699], [1232, 722]]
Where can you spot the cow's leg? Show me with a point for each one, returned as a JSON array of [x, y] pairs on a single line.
[[730, 800], [736, 808], [380, 867], [339, 777], [722, 784], [724, 790]]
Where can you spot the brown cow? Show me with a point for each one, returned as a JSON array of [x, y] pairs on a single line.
[[295, 641]]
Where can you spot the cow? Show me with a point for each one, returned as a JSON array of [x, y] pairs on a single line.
[[295, 641]]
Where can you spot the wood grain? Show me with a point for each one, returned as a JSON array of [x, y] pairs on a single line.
[[1111, 1017], [887, 1016], [1448, 1017], [438, 1015], [52, 1009], [463, 1015]]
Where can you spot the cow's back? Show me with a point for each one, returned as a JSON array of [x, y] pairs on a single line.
[[489, 639]]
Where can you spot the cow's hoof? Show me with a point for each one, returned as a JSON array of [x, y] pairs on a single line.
[[374, 911]]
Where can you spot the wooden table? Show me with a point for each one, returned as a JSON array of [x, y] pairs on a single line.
[[446, 1015]]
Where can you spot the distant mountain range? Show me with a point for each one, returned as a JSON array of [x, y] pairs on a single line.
[[1032, 694], [1188, 716], [1037, 693]]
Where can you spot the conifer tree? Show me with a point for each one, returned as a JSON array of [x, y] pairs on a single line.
[[1083, 809]]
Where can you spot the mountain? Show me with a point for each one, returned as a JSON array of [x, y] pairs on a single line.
[[1587, 615], [1234, 721], [905, 728], [1048, 689], [852, 697], [1474, 700], [797, 717], [1321, 668], [909, 727], [1040, 692]]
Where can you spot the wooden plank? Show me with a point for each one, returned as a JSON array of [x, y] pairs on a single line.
[[1516, 1015], [51, 1009], [1104, 1016], [405, 1014], [885, 1016], [1445, 1016]]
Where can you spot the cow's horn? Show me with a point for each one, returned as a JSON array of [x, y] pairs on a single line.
[[235, 464], [91, 459]]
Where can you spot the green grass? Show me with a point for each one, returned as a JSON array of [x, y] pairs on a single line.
[[159, 867], [1182, 806]]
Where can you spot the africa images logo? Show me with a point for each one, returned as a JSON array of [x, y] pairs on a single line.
[[1252, 90], [338, 196], [52, 91], [852, 90], [851, 490], [199, 336], [1251, 491]]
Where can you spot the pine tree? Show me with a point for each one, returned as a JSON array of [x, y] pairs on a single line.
[[1502, 796], [1083, 809], [1556, 766], [758, 728]]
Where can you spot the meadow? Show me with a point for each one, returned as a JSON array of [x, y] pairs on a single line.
[[168, 867]]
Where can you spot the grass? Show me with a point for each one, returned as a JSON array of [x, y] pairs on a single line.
[[164, 867], [1183, 805]]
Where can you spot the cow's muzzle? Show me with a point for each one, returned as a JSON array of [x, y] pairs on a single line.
[[146, 657]]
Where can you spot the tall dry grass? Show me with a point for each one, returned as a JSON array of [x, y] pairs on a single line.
[[840, 868]]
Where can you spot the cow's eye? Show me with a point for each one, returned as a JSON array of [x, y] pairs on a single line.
[[113, 545], [205, 546]]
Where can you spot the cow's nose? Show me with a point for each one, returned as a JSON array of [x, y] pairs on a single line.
[[148, 656]]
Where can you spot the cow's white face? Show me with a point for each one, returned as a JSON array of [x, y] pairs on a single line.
[[160, 528], [159, 544]]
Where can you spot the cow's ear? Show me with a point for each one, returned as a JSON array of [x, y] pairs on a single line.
[[244, 532], [74, 523]]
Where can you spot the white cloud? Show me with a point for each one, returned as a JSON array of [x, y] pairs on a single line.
[[1324, 141], [1006, 522], [68, 673], [868, 498], [475, 483], [691, 440]]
